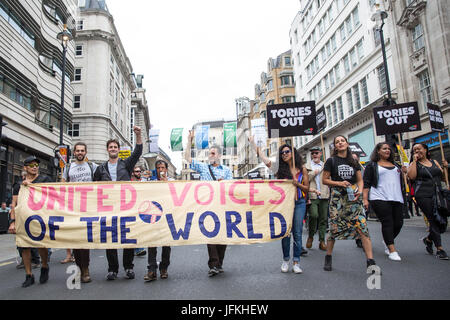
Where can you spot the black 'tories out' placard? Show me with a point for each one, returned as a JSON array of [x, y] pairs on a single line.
[[397, 118], [436, 118], [321, 119], [292, 119]]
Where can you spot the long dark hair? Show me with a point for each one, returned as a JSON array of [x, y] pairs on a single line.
[[284, 172], [428, 154], [352, 162], [375, 156]]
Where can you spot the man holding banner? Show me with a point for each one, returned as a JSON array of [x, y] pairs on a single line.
[[116, 169], [212, 171]]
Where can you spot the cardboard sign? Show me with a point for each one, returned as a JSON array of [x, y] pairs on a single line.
[[292, 119], [436, 118], [259, 131], [124, 153], [397, 118], [153, 140], [321, 119]]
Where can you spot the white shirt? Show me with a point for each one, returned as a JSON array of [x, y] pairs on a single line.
[[314, 167], [389, 187]]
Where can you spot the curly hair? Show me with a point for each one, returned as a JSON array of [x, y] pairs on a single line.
[[350, 160], [284, 171], [375, 156]]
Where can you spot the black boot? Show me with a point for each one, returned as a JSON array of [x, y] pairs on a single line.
[[327, 266], [29, 280], [371, 262], [44, 275]]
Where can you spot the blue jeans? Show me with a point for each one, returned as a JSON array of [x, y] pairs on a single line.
[[297, 229]]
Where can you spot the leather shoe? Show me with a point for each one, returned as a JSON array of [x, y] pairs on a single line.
[[322, 246], [309, 242]]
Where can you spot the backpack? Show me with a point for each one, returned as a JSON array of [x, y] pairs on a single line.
[[90, 167]]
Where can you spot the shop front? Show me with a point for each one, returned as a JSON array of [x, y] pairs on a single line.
[[432, 141]]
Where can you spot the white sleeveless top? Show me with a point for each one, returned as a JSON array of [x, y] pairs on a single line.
[[389, 187]]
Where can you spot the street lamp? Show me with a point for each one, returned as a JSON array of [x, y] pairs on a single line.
[[379, 16], [64, 37]]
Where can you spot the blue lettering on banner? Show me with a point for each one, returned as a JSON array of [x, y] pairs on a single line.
[[232, 226], [180, 233], [104, 229], [251, 233], [52, 227], [272, 217], [43, 228], [201, 224], [89, 226], [124, 230]]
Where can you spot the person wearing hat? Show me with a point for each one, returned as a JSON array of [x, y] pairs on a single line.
[[318, 195], [31, 167]]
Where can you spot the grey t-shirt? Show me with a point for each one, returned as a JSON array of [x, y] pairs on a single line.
[[79, 172], [112, 171]]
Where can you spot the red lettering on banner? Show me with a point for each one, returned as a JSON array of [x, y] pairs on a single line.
[[279, 190], [70, 199], [53, 195], [253, 191], [211, 193], [101, 197], [222, 193], [37, 205], [123, 197], [83, 197], [231, 193], [178, 202]]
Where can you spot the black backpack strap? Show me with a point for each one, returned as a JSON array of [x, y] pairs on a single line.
[[212, 174], [91, 166]]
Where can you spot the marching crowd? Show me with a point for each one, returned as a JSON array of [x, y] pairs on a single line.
[[336, 196]]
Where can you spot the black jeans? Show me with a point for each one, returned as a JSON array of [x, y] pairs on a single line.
[[216, 253], [390, 214], [426, 205], [165, 259], [113, 260], [81, 257]]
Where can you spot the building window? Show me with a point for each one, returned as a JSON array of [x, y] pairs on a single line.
[[111, 85], [348, 25], [329, 116], [355, 15], [342, 32], [335, 114], [346, 65], [417, 37], [365, 92], [270, 85], [287, 61], [357, 96], [80, 25], [337, 72], [349, 101], [382, 79], [340, 109], [79, 50], [74, 130], [286, 81], [77, 102], [425, 89], [360, 49], [17, 24], [353, 59], [77, 74]]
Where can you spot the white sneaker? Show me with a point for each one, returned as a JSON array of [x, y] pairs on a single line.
[[394, 256], [285, 266], [386, 249], [296, 268]]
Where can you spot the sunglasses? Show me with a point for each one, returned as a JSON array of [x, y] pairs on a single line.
[[286, 152], [317, 152], [35, 165], [137, 171]]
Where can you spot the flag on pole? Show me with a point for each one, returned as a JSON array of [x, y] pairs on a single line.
[[176, 139], [201, 137], [229, 135], [154, 137]]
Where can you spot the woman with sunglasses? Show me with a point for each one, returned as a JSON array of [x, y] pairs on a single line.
[[425, 173], [342, 174], [384, 187], [299, 176]]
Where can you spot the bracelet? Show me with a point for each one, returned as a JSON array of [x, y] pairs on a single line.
[[11, 221]]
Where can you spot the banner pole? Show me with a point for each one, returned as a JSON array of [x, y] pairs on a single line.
[[443, 159], [404, 176], [323, 147], [293, 153]]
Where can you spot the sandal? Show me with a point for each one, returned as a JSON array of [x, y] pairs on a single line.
[[67, 260]]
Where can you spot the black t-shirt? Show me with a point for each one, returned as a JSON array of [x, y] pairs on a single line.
[[39, 179], [341, 170]]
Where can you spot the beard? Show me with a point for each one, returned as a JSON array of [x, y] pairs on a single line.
[[113, 155], [80, 158]]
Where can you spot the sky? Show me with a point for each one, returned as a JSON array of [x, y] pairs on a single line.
[[198, 56]]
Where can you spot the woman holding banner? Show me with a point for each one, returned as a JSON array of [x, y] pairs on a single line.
[[384, 187], [299, 176], [343, 174], [426, 174]]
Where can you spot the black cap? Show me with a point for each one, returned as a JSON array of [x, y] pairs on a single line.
[[315, 149], [30, 159]]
